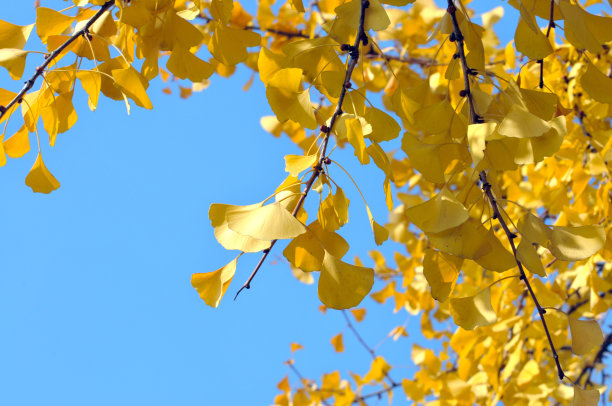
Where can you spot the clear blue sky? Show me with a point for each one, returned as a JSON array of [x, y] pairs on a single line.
[[96, 305]]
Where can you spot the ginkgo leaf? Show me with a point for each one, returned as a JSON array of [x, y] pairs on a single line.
[[473, 311], [185, 65], [270, 222], [14, 61], [342, 286], [381, 234], [519, 123], [286, 99], [585, 397], [533, 229], [341, 207], [380, 158], [477, 135], [585, 30], [528, 255], [92, 84], [338, 343], [528, 38], [19, 144], [354, 135], [441, 213], [376, 17], [332, 242], [212, 285], [469, 240], [269, 63], [304, 277], [133, 85], [358, 314], [576, 243], [50, 22], [229, 239], [586, 335], [441, 271], [379, 368], [299, 6], [14, 36], [305, 252], [498, 259], [384, 127], [294, 164], [424, 157], [229, 45], [40, 179], [596, 84]]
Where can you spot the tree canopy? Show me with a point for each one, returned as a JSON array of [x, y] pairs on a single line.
[[494, 157]]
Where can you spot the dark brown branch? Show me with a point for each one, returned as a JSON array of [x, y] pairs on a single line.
[[486, 187], [551, 24], [325, 131], [378, 394], [51, 57], [457, 35]]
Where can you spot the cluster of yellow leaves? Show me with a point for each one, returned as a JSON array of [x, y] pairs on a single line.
[[545, 150]]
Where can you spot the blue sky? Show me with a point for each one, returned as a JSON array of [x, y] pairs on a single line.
[[96, 305]]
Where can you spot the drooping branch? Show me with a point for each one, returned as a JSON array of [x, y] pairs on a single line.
[[325, 132], [486, 187], [52, 56]]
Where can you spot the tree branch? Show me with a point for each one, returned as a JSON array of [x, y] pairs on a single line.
[[588, 369], [51, 57], [551, 24], [318, 169]]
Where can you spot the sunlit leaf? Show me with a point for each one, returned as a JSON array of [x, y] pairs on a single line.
[[212, 285]]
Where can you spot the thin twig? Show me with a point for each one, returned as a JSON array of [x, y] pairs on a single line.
[[51, 57], [588, 369], [318, 169], [377, 394], [551, 24], [486, 187]]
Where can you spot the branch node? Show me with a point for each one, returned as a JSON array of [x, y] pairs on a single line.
[[325, 129], [464, 93]]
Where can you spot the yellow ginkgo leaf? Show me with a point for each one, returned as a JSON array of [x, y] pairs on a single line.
[[358, 314], [40, 179], [585, 397], [14, 61], [498, 259], [286, 99], [305, 252], [270, 222], [92, 84], [424, 157], [354, 134], [576, 243], [14, 36], [477, 135], [533, 229], [229, 239], [380, 158], [381, 234], [596, 84], [528, 38], [295, 347], [229, 45], [441, 271], [469, 240], [473, 311], [294, 164], [269, 63], [519, 123], [338, 343], [212, 285], [133, 85], [342, 286], [583, 29], [530, 370], [332, 242], [299, 6], [185, 65], [384, 127], [341, 207], [441, 213], [376, 17], [19, 144], [304, 277], [528, 255], [586, 335], [379, 368], [50, 22]]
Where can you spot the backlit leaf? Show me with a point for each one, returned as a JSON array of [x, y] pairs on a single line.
[[270, 222], [40, 179], [342, 286], [473, 311], [440, 213], [576, 243], [212, 285], [586, 335]]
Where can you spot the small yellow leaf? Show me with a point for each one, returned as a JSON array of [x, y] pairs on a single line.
[[477, 135], [376, 17], [40, 179], [229, 239], [597, 85], [533, 229], [528, 373], [473, 311], [92, 84], [381, 234], [341, 207], [185, 65], [342, 286], [286, 99], [14, 61], [384, 127], [212, 285], [528, 255], [441, 213], [469, 240], [338, 343], [294, 164], [576, 243], [271, 222], [14, 36], [295, 347], [19, 144], [299, 6], [441, 271], [358, 314], [304, 277], [354, 133], [305, 252], [424, 157], [585, 397], [133, 85], [586, 335], [378, 370], [528, 38], [229, 45]]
